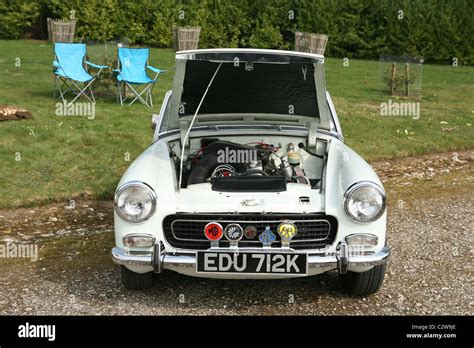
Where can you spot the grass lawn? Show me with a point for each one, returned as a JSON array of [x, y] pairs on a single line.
[[55, 158]]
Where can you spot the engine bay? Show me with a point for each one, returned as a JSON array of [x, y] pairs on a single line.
[[254, 165]]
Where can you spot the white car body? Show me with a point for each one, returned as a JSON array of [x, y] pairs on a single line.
[[341, 169]]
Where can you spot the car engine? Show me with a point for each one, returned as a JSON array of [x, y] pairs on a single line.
[[223, 159]]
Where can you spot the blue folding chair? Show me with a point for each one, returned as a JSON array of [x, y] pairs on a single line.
[[132, 65], [69, 71]]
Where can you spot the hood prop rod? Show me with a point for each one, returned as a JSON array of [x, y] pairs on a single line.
[[191, 126]]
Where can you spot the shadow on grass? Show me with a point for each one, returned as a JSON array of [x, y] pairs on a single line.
[[99, 97]]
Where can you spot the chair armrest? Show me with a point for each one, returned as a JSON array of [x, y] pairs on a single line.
[[96, 66], [158, 71]]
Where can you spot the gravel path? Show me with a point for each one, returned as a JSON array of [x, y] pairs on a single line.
[[430, 272]]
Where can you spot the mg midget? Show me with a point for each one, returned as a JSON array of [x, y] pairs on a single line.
[[248, 177]]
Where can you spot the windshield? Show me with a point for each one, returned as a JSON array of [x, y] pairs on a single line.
[[256, 88]]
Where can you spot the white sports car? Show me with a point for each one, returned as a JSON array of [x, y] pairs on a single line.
[[247, 177]]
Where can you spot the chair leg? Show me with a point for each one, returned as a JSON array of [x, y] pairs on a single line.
[[90, 90], [124, 91], [82, 91], [137, 95], [92, 94], [60, 90], [119, 85], [151, 91], [144, 96], [65, 87]]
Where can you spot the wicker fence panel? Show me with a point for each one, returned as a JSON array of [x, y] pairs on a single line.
[[60, 30], [186, 38], [310, 43]]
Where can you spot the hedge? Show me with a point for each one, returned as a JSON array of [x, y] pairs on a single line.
[[436, 30]]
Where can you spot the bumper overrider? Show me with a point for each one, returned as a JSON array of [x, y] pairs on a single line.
[[186, 262]]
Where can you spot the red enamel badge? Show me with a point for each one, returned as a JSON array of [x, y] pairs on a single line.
[[213, 231]]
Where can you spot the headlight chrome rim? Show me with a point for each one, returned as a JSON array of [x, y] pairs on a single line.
[[356, 186], [140, 184]]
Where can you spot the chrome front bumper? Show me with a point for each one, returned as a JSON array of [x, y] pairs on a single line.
[[160, 260]]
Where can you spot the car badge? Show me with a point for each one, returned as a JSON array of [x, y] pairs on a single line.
[[213, 232], [267, 237], [250, 232], [233, 233], [250, 202], [287, 231]]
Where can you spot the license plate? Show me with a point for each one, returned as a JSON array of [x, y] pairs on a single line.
[[251, 263]]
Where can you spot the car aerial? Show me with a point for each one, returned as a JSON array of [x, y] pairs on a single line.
[[248, 177]]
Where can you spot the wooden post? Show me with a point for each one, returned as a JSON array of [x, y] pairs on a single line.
[[50, 30], [392, 81], [175, 37], [407, 79]]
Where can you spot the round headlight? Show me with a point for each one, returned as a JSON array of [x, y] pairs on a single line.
[[364, 202], [135, 202]]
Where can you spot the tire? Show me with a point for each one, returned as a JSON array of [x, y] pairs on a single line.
[[364, 283], [136, 281]]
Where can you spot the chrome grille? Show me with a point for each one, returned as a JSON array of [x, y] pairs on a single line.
[[186, 231]]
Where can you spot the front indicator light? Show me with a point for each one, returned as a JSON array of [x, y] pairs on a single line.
[[138, 241], [362, 239]]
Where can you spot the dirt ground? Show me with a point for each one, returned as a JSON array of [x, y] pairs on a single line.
[[430, 229]]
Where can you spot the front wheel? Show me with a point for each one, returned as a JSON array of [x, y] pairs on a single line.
[[364, 283], [136, 281]]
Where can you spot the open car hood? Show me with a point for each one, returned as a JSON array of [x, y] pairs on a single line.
[[251, 86]]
